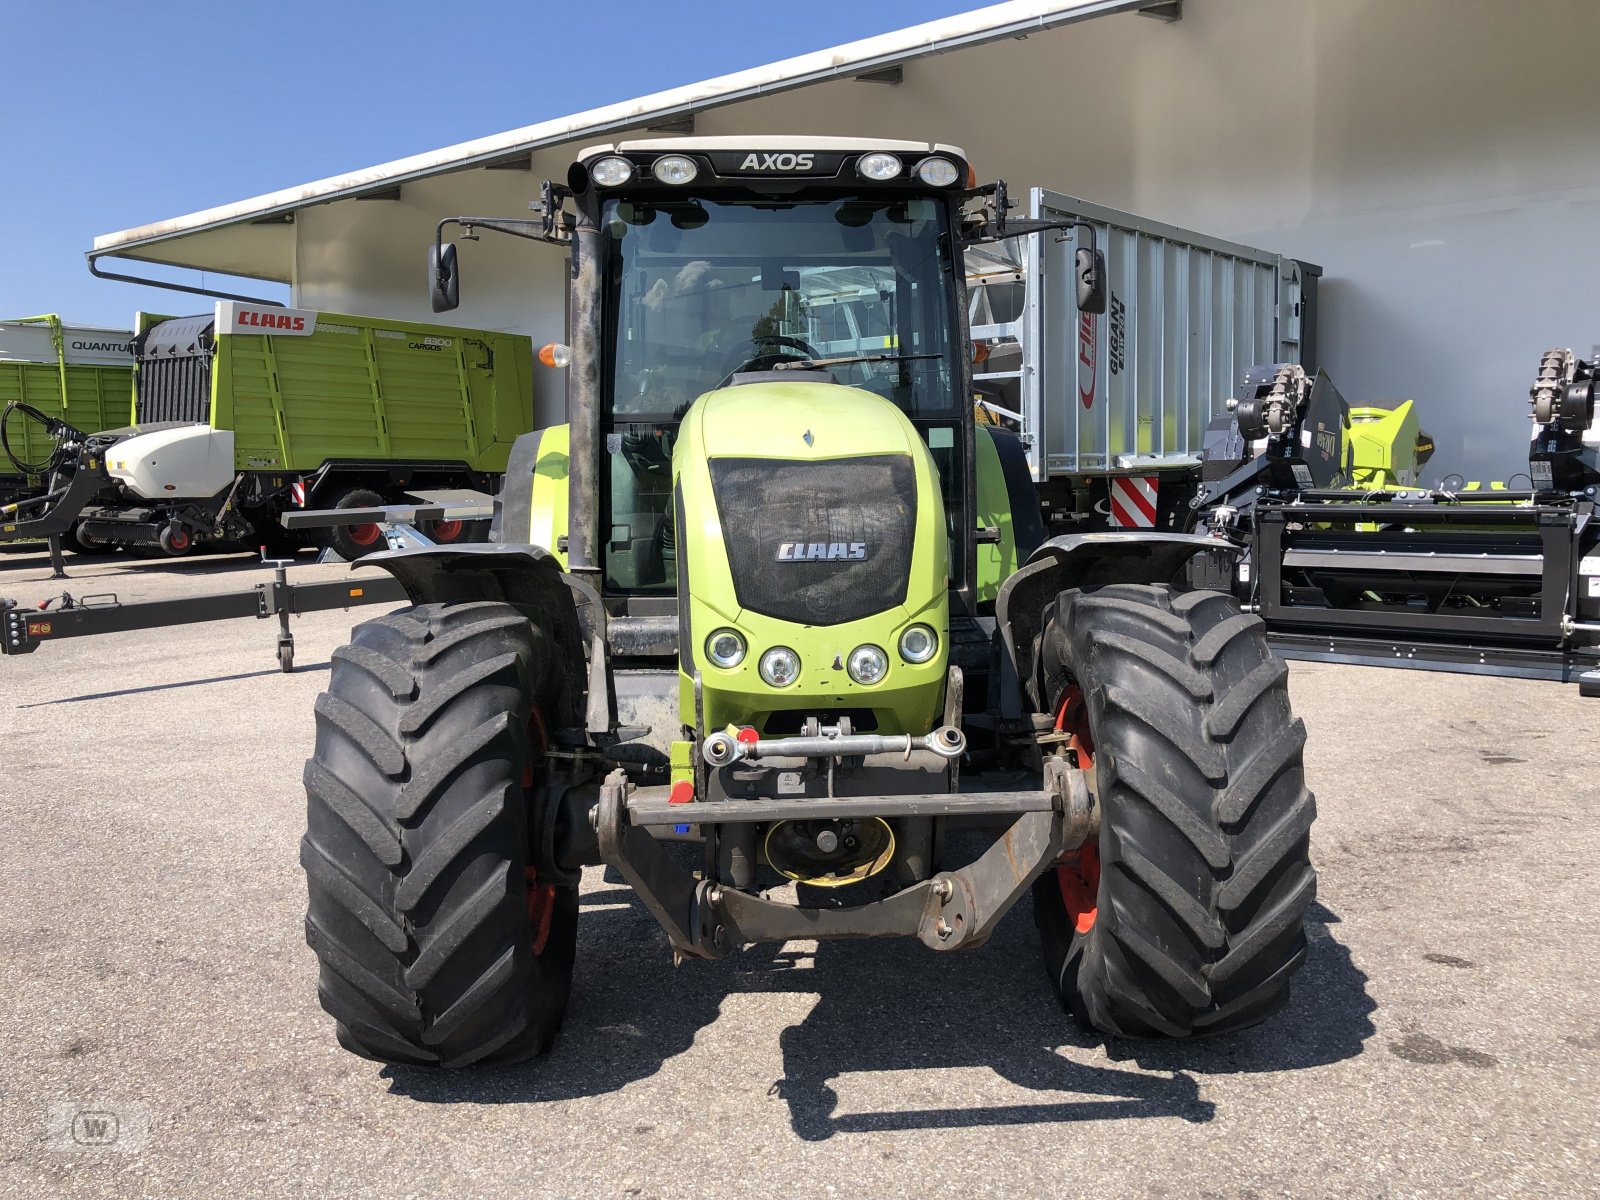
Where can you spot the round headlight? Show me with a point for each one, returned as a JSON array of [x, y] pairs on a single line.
[[879, 166], [725, 648], [675, 169], [918, 644], [937, 172], [780, 666], [611, 172], [867, 664]]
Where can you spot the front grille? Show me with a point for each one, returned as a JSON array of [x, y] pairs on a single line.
[[767, 508]]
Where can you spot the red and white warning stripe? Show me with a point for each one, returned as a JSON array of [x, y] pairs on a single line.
[[297, 494], [1133, 501]]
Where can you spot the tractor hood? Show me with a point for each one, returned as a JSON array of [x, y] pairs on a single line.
[[809, 518], [818, 490], [800, 421]]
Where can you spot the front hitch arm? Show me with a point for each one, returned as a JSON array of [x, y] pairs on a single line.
[[953, 910]]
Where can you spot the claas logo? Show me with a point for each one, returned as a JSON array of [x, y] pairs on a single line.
[[271, 320]]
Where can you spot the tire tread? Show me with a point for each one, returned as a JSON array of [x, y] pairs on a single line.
[[1205, 817]]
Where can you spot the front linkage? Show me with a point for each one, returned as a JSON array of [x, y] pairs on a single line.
[[952, 910]]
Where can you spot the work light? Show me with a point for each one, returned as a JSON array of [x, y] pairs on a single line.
[[674, 169], [611, 172], [879, 166], [937, 172]]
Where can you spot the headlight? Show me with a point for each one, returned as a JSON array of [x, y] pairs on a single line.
[[675, 169], [879, 166], [780, 666], [611, 172], [937, 172], [867, 664], [918, 644], [725, 648]]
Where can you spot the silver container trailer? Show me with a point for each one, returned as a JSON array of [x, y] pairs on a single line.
[[1113, 409]]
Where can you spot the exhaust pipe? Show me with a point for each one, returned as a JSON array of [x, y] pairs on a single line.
[[722, 747]]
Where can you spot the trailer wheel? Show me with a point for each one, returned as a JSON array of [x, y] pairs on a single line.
[[1185, 916], [439, 943], [451, 533], [356, 541]]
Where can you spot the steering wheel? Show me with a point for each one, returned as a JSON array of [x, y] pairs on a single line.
[[749, 354]]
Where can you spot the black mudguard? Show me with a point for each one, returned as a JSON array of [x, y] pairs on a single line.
[[1081, 560], [529, 578]]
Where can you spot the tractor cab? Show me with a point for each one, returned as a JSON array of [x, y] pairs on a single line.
[[819, 261]]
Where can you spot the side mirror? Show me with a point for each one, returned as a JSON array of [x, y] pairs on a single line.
[[1090, 267], [444, 277]]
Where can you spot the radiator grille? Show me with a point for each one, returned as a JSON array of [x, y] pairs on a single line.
[[775, 515]]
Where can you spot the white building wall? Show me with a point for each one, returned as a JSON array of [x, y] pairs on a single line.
[[370, 257], [1436, 157]]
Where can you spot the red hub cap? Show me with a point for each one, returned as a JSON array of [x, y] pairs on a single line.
[[1078, 873], [365, 535], [446, 531], [179, 540]]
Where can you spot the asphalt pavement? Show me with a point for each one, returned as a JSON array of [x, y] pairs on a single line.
[[160, 1034]]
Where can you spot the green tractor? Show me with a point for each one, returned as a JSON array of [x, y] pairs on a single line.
[[770, 629]]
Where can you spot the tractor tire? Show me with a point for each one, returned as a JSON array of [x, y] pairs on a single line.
[[351, 542], [439, 944], [1186, 916]]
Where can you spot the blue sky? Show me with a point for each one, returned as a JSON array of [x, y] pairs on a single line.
[[112, 115]]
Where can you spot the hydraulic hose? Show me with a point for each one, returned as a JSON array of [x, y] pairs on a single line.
[[57, 429]]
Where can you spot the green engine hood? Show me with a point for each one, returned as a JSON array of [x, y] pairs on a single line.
[[809, 517]]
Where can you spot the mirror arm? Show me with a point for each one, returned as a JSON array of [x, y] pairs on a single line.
[[994, 222], [538, 230]]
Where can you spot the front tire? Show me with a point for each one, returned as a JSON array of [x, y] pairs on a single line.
[[438, 944], [1186, 916]]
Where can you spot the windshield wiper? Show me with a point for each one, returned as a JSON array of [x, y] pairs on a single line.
[[805, 364]]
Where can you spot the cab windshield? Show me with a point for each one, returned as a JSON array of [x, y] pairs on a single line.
[[699, 290], [705, 288]]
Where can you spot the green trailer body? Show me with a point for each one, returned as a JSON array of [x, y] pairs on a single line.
[[77, 373], [299, 389]]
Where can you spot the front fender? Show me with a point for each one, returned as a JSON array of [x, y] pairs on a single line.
[[530, 579], [1082, 560]]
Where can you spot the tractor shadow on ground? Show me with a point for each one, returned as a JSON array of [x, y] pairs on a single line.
[[894, 1006], [994, 1010]]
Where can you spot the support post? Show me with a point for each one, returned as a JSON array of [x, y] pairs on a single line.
[[58, 566]]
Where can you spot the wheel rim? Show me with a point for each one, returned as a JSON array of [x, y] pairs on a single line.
[[1078, 872], [364, 535], [179, 540], [540, 896], [446, 531]]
